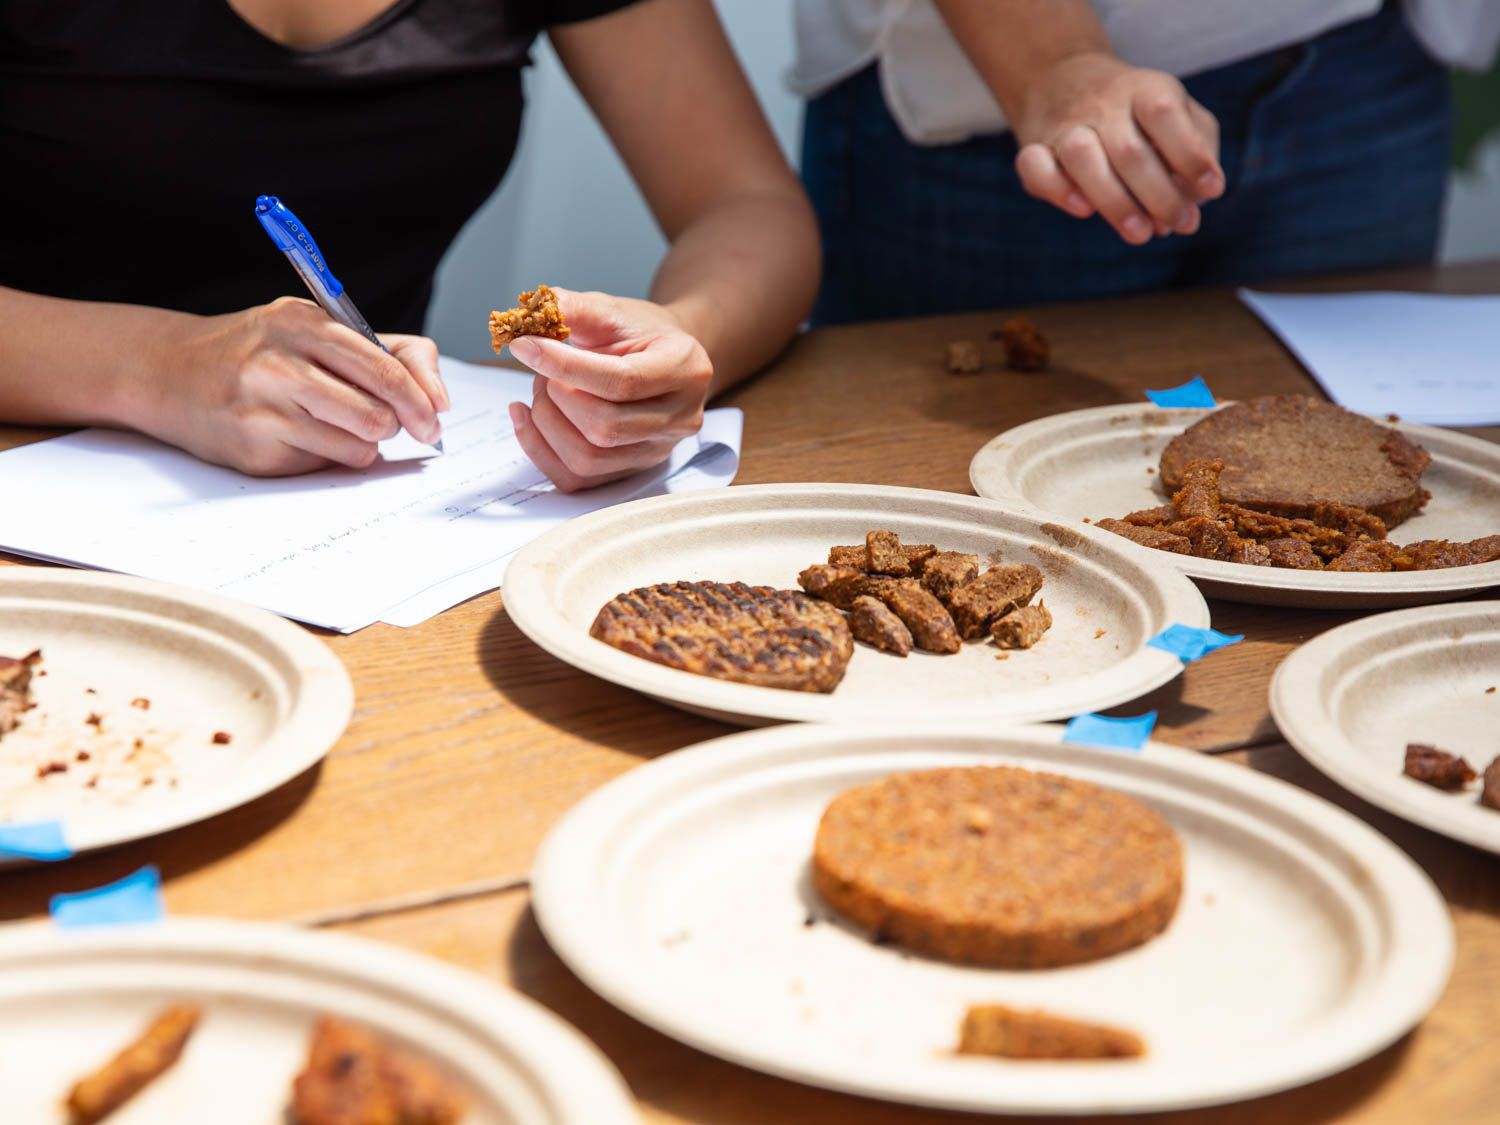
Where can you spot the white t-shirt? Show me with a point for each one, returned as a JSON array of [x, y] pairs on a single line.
[[937, 97]]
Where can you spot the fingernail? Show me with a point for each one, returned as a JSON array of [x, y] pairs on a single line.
[[1209, 184], [1136, 228], [525, 349], [1077, 202], [517, 415], [1187, 220]]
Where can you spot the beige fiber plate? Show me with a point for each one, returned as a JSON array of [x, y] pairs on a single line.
[[70, 999], [1093, 464], [1106, 598], [160, 670], [1351, 699], [680, 892]]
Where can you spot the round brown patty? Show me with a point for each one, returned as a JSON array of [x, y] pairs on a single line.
[[1285, 453], [998, 866]]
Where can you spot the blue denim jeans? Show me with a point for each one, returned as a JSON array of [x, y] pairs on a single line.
[[1335, 151]]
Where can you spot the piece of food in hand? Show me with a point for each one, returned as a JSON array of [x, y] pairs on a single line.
[[1437, 768], [1198, 495], [354, 1077], [930, 623], [997, 591], [883, 554], [1489, 793], [996, 865], [872, 621], [97, 1095], [1292, 554], [15, 688], [1289, 453], [946, 571], [963, 357], [1011, 1033], [1157, 538], [536, 314], [1021, 628], [1026, 349], [731, 631]]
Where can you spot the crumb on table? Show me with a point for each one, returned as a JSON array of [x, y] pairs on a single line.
[[963, 357], [1026, 349]]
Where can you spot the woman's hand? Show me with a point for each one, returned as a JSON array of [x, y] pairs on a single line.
[[282, 389], [1100, 135], [631, 384]]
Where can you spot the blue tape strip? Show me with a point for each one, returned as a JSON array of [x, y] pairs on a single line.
[[1189, 644], [135, 898], [1114, 734], [41, 839], [1194, 392]]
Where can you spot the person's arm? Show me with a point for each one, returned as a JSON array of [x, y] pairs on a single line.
[[1096, 134], [742, 270], [271, 390]]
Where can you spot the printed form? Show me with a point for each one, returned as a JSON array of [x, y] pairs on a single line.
[[414, 533]]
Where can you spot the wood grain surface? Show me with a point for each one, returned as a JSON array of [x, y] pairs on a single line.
[[468, 742]]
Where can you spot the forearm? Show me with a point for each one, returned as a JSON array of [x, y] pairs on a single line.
[[77, 362], [1010, 42], [741, 277]]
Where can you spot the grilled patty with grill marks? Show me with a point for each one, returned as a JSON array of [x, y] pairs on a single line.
[[731, 631]]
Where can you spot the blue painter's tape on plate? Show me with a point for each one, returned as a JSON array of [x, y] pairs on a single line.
[[135, 898], [1189, 644], [1113, 734], [1194, 392], [39, 839]]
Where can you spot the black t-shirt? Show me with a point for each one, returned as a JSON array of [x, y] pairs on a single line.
[[134, 138]]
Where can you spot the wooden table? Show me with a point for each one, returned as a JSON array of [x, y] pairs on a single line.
[[468, 742]]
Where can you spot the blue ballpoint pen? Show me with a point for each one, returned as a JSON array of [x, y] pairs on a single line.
[[296, 242]]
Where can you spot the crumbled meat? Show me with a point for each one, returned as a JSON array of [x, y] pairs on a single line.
[[1437, 767], [536, 314], [1026, 349]]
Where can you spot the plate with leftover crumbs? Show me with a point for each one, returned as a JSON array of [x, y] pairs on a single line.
[[1403, 709], [209, 1020], [841, 602], [1309, 505], [941, 915], [130, 707]]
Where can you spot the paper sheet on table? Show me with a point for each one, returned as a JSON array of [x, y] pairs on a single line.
[[710, 460], [335, 548], [1426, 357]]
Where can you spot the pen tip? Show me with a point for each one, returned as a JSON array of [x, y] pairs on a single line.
[[438, 445]]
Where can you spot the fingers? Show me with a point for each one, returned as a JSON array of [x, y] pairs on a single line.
[[1081, 154], [610, 425], [337, 403], [328, 442], [1139, 166], [419, 355], [1175, 126], [626, 378], [569, 459], [345, 353], [1044, 179]]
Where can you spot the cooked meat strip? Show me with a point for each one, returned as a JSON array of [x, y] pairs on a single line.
[[998, 590], [97, 1095], [1354, 522], [15, 688], [840, 585], [873, 622], [883, 554], [354, 1077], [1292, 554], [854, 557], [1153, 517], [948, 570], [1023, 627], [748, 634], [1154, 537], [1199, 494], [1248, 552], [930, 624], [1009, 1033], [1366, 556], [917, 555], [1325, 541], [1489, 795], [1207, 538], [1439, 554], [1437, 768]]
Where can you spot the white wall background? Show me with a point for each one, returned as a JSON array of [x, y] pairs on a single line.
[[569, 214]]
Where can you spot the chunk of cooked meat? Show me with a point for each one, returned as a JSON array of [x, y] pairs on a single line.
[[1489, 794], [929, 621], [1010, 1033], [1157, 538], [883, 554], [1437, 768], [917, 555], [97, 1095], [1026, 349], [536, 314], [872, 621], [1198, 495], [1207, 538], [1368, 556], [1153, 517], [15, 688], [1325, 541], [1021, 628], [855, 557], [746, 634], [1292, 554], [998, 590], [840, 585], [1439, 554], [1248, 552], [948, 570], [354, 1077]]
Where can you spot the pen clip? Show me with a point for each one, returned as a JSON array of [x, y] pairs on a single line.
[[287, 231]]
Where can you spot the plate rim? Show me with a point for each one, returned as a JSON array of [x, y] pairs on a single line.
[[574, 1074], [1227, 575], [525, 600], [1416, 983], [1302, 717], [310, 729]]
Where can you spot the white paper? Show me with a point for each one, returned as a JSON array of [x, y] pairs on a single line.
[[1425, 357], [334, 548]]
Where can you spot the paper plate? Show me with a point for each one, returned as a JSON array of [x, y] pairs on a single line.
[[1093, 464], [1351, 699], [137, 679], [680, 893], [1107, 599], [70, 999]]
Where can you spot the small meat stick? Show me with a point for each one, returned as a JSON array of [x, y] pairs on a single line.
[[997, 591], [1021, 628], [872, 621], [97, 1095]]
